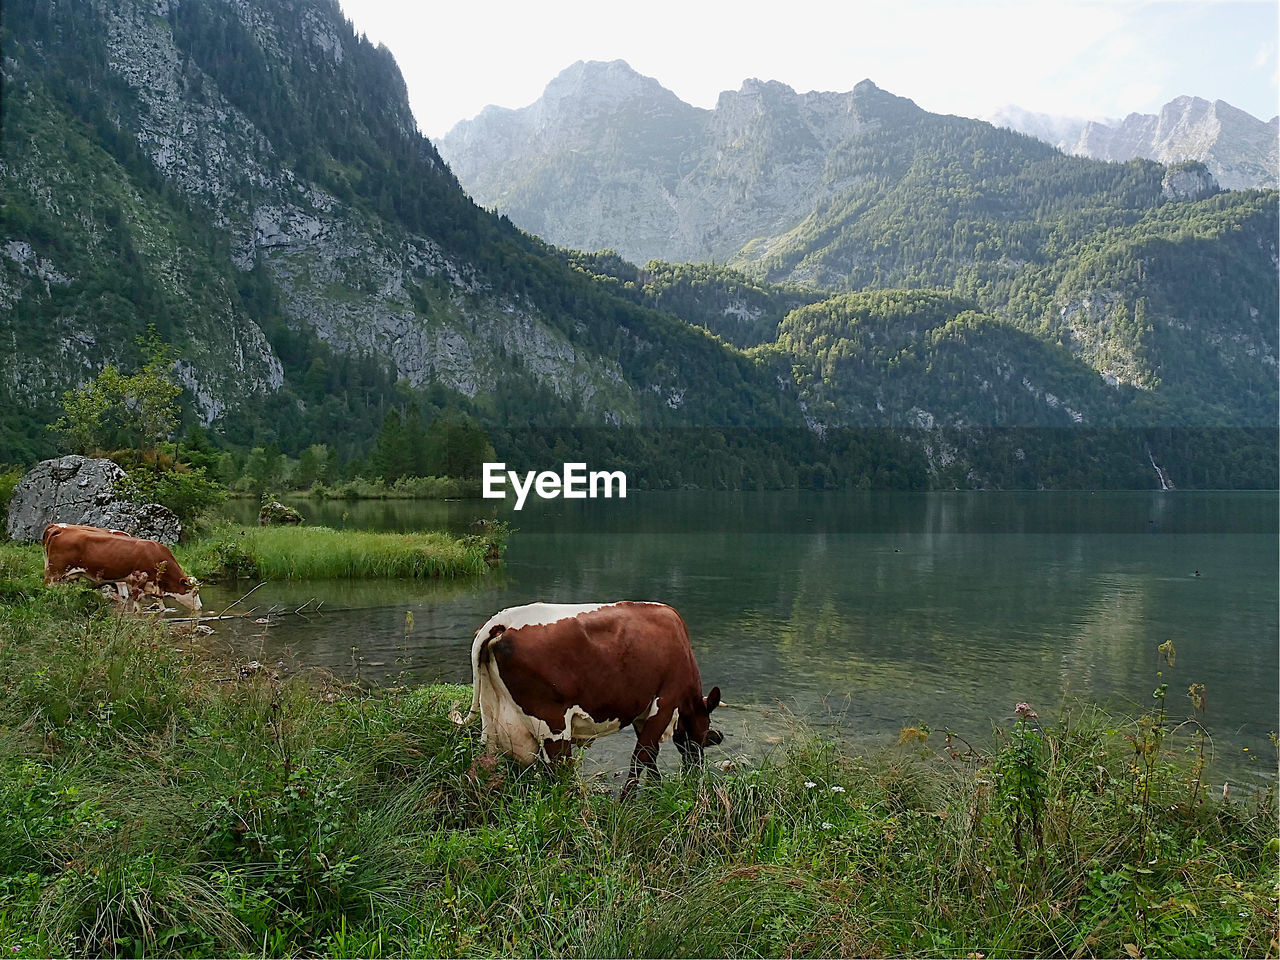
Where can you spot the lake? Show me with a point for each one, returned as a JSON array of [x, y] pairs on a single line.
[[861, 612]]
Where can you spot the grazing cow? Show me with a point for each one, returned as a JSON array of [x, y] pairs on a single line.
[[546, 676], [112, 556]]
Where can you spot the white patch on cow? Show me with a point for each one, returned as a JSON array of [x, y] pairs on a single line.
[[190, 600], [638, 723], [540, 614], [580, 725], [505, 727]]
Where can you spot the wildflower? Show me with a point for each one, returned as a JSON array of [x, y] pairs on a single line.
[[837, 789], [826, 825], [1023, 709], [809, 784]]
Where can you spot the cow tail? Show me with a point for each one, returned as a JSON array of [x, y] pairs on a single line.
[[477, 651]]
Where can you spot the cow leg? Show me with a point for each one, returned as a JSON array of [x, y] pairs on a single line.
[[645, 755], [557, 750]]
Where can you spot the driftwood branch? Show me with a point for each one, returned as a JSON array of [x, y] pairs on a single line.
[[245, 597]]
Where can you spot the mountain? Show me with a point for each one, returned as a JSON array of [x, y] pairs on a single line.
[[1238, 149], [864, 190], [607, 158], [249, 179]]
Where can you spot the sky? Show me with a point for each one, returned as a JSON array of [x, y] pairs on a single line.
[[1105, 58]]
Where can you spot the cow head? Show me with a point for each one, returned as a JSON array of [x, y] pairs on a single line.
[[190, 595], [693, 730]]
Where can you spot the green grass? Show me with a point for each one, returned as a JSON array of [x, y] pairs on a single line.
[[320, 553], [152, 802]]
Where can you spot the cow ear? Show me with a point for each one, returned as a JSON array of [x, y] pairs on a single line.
[[713, 699]]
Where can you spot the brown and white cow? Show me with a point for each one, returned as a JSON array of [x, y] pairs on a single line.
[[546, 676], [74, 551]]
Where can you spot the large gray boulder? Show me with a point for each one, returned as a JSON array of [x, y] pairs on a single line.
[[76, 489]]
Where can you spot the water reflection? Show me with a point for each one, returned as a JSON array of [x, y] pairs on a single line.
[[888, 609]]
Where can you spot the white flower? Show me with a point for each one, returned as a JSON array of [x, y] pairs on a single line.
[[809, 784], [826, 825], [837, 789]]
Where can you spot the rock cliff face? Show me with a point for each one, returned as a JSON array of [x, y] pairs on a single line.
[[537, 163], [1239, 150], [314, 244], [1188, 181]]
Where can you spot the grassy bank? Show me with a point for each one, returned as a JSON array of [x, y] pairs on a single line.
[[320, 553], [153, 801]]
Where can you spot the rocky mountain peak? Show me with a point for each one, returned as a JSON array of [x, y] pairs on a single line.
[[1238, 149], [602, 82]]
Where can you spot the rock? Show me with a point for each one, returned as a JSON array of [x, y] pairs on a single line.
[[273, 511], [75, 489], [150, 520], [1188, 181]]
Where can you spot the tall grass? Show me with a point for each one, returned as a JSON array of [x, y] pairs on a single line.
[[320, 553], [154, 802]]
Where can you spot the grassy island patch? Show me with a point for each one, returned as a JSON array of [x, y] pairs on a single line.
[[157, 801], [321, 553]]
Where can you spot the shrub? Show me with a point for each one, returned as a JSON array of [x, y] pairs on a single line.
[[9, 477], [187, 491]]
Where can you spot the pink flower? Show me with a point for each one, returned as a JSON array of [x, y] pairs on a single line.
[[1023, 709]]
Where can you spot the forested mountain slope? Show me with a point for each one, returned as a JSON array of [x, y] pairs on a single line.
[[1150, 275], [248, 177]]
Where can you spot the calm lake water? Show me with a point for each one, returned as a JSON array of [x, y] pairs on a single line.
[[863, 612]]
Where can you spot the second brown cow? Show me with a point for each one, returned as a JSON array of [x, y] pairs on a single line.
[[73, 551]]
